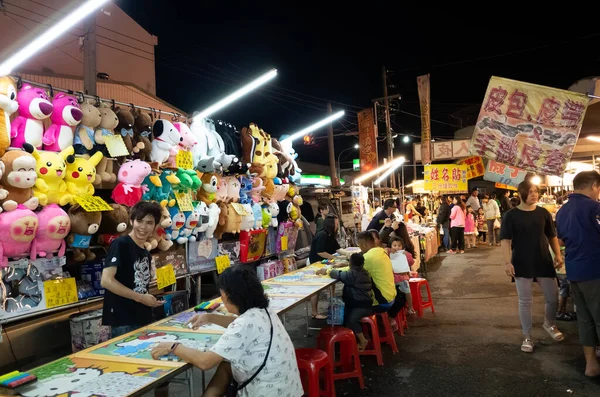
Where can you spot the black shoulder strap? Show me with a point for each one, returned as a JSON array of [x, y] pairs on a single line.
[[249, 380]]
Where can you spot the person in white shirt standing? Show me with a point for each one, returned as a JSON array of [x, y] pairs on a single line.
[[473, 200]]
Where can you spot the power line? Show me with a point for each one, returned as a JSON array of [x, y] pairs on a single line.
[[432, 120], [126, 52]]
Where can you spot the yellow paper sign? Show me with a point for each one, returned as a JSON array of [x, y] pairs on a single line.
[[184, 201], [115, 145], [92, 203], [446, 178], [184, 160], [240, 209], [284, 243], [60, 292], [165, 276], [223, 263]]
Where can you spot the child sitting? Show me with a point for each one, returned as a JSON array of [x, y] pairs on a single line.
[[357, 296], [401, 263], [470, 229], [481, 225]]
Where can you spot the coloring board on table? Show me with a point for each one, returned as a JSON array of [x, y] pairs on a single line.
[[140, 344], [279, 304], [290, 289], [179, 321], [81, 377], [304, 276]]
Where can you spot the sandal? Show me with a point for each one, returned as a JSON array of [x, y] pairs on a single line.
[[394, 325], [527, 346], [319, 317], [362, 348], [563, 317], [554, 333]]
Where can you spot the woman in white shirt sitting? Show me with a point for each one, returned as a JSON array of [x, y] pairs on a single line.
[[255, 354]]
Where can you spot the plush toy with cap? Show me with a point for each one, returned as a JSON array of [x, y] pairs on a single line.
[[129, 191], [65, 117], [114, 224], [84, 139], [19, 178], [34, 107], [54, 226], [108, 123], [80, 175], [142, 133], [8, 105], [51, 168], [17, 230], [83, 226]]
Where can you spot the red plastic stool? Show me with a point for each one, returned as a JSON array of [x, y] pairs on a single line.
[[374, 346], [349, 360], [389, 334], [310, 364], [402, 321], [415, 289]]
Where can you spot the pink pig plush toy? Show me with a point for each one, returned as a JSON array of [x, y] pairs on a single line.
[[34, 106], [54, 226], [65, 117], [17, 231], [131, 175], [188, 141]]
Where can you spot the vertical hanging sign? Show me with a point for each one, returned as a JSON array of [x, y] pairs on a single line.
[[424, 100], [367, 138]]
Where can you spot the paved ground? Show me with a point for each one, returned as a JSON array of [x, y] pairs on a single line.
[[470, 346]]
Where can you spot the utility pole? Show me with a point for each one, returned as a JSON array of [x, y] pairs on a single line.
[[332, 167], [390, 142], [89, 55]]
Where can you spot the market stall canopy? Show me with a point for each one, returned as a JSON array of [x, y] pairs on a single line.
[[591, 122]]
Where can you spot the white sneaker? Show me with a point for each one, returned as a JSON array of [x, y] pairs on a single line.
[[527, 346]]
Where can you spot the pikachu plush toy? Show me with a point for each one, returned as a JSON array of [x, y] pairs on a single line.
[[81, 173], [51, 170]]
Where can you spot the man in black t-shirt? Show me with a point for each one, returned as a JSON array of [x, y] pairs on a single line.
[[126, 274], [378, 221]]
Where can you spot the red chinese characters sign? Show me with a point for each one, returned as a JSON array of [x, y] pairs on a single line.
[[528, 126], [446, 178], [474, 165], [424, 100], [367, 139]]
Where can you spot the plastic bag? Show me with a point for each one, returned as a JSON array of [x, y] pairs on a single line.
[[496, 224], [335, 312]]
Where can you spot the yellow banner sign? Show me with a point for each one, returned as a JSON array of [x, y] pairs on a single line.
[[165, 276], [223, 262], [60, 292], [92, 203], [446, 178], [528, 126], [474, 165]]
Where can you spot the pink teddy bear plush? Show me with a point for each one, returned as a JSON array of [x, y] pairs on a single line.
[[130, 189], [65, 117], [54, 226], [34, 106]]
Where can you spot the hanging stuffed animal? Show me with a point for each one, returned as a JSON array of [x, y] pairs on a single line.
[[8, 105], [252, 144], [125, 129], [233, 189], [191, 222], [178, 221], [296, 213], [169, 182], [83, 226], [19, 178], [257, 189], [54, 226], [233, 222], [274, 210], [188, 141], [166, 137], [222, 189], [285, 166], [210, 144], [245, 189], [224, 220], [81, 174], [266, 216], [84, 139], [214, 219], [281, 191], [203, 213], [17, 231], [142, 134], [51, 168], [208, 191], [114, 224], [65, 117], [129, 190], [247, 223], [258, 216], [154, 192], [34, 106], [158, 239], [106, 128]]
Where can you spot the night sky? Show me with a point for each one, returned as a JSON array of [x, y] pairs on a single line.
[[334, 51]]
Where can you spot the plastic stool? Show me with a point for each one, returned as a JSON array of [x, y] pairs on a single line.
[[374, 346], [415, 289], [349, 360], [311, 362], [401, 321], [389, 334]]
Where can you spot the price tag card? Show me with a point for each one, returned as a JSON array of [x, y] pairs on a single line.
[[115, 145], [60, 292], [240, 209], [184, 201], [92, 203], [284, 243], [184, 160], [165, 276], [223, 263]]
